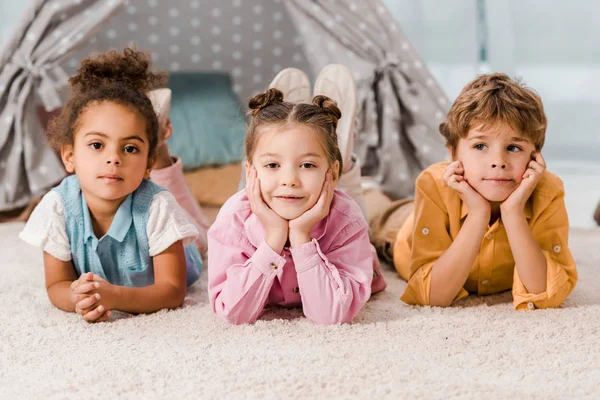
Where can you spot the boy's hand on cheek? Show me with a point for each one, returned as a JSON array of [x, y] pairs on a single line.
[[534, 172], [455, 179], [300, 227], [277, 227]]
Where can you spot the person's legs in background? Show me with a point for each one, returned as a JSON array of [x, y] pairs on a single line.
[[386, 219], [336, 82], [168, 171]]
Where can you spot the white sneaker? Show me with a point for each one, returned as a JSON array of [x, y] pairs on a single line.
[[336, 82], [294, 84], [161, 102]]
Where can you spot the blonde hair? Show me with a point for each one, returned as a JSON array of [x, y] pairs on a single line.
[[496, 98], [322, 116]]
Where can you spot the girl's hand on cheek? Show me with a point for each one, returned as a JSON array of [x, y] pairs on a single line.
[[455, 179], [277, 227], [300, 227], [534, 172]]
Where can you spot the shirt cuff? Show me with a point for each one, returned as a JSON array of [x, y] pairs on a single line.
[[306, 256], [556, 278], [417, 291], [266, 260]]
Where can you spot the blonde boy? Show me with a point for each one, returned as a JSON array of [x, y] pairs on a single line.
[[493, 218]]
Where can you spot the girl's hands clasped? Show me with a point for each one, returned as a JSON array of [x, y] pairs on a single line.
[[87, 297]]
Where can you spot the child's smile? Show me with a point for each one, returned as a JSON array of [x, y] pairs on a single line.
[[291, 166]]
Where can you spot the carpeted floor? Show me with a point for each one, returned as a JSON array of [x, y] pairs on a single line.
[[478, 349]]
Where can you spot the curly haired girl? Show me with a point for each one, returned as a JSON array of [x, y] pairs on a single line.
[[112, 239]]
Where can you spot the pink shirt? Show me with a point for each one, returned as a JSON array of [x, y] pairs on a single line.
[[330, 277]]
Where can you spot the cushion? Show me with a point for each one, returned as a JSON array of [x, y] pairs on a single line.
[[207, 120]]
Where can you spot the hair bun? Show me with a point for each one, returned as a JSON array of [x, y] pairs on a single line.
[[129, 67], [265, 99], [330, 106]]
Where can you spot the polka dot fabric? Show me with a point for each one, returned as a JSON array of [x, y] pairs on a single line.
[[400, 103], [250, 41]]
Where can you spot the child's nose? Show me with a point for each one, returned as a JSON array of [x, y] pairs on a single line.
[[291, 182], [503, 166], [290, 179], [113, 159]]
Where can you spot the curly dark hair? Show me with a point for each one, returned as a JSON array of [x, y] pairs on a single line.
[[120, 77]]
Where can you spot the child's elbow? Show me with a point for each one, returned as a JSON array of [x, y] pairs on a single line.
[[331, 318], [232, 315], [326, 321], [177, 297], [439, 302], [442, 304], [236, 319]]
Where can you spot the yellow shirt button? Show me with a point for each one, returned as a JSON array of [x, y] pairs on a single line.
[[425, 231], [488, 236], [556, 249], [485, 282], [530, 305]]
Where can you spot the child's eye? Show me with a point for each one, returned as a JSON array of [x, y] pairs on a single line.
[[272, 165], [308, 165], [479, 146], [131, 149], [96, 145], [513, 149]]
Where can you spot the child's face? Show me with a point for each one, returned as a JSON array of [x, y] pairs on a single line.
[[494, 160], [110, 151], [291, 166]]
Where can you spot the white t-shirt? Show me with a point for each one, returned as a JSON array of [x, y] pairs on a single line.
[[167, 223]]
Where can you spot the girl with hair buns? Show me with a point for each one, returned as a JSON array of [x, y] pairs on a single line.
[[112, 239], [290, 238]]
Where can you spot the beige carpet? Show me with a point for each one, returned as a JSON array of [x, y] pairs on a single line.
[[481, 348]]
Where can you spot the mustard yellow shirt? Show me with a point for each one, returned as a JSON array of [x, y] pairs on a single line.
[[438, 216]]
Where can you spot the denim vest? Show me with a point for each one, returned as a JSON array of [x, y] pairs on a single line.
[[121, 256]]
